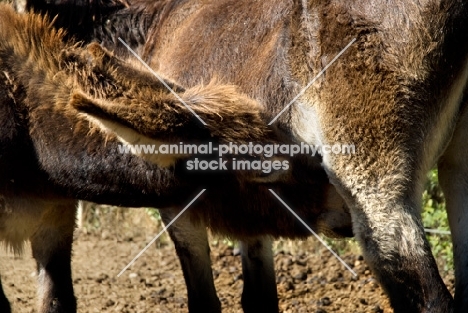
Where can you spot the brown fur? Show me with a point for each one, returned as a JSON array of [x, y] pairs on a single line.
[[51, 155], [167, 118], [388, 94], [397, 94]]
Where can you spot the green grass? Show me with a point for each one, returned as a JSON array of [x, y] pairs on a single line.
[[434, 216]]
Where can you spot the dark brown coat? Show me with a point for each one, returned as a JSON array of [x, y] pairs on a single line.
[[51, 155]]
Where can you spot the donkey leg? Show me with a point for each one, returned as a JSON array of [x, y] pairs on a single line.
[[382, 184], [192, 247], [388, 227], [4, 304], [453, 177], [52, 247], [259, 294]]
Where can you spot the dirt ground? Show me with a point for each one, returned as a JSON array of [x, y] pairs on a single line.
[[309, 278]]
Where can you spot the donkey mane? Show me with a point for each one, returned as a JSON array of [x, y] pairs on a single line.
[[31, 40]]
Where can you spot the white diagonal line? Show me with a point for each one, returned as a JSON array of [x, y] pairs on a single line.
[[161, 80], [312, 81], [436, 231], [160, 233], [314, 233]]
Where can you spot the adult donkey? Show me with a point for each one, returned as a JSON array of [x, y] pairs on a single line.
[[397, 93]]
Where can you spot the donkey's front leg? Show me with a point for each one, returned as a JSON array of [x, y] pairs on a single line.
[[192, 247], [259, 294], [52, 246]]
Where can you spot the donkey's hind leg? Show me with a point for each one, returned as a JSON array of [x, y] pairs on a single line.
[[259, 294], [52, 247], [453, 177]]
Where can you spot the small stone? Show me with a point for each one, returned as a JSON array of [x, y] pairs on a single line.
[[110, 303], [300, 275], [105, 235], [288, 285], [101, 278], [325, 301]]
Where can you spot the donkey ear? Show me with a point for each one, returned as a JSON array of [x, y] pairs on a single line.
[[213, 112], [112, 117], [158, 122], [94, 110]]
